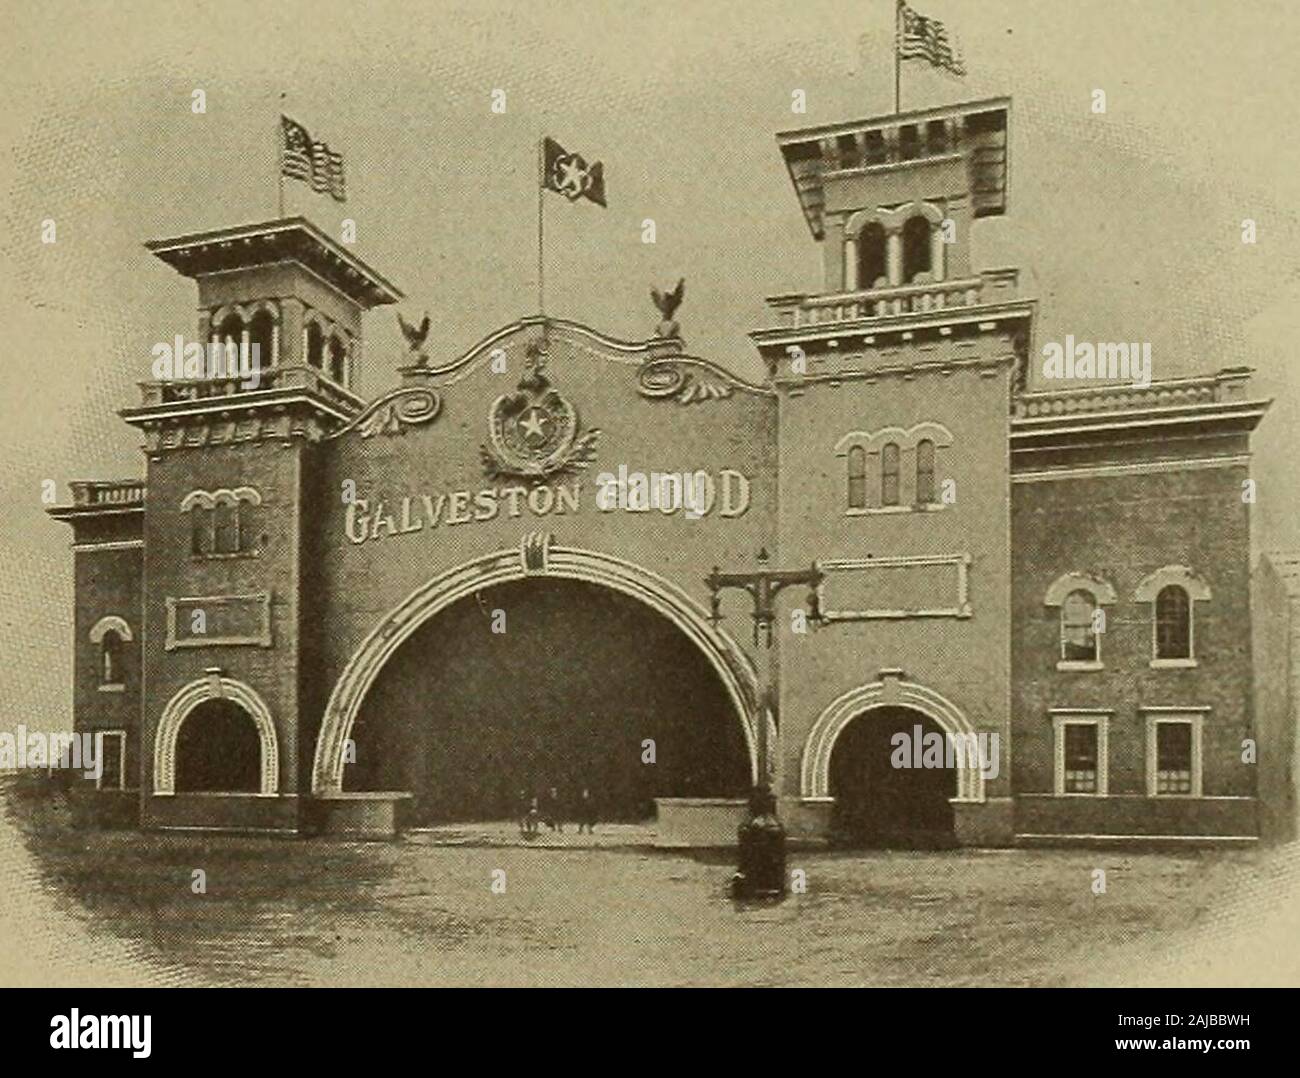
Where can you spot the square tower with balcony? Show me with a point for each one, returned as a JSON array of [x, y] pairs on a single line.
[[895, 384], [232, 475]]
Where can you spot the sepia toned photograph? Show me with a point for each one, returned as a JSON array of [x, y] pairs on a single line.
[[706, 494]]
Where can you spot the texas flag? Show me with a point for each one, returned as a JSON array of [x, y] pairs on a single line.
[[569, 174]]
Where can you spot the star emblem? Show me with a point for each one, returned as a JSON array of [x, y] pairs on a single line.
[[534, 424]]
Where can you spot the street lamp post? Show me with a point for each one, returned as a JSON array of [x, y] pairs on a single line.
[[761, 870]]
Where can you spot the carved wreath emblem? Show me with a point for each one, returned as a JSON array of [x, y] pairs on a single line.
[[534, 433]]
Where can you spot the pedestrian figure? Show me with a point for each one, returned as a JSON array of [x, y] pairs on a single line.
[[533, 813], [521, 811], [587, 812], [554, 811]]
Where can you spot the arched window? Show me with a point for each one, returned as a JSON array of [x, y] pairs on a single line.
[[226, 538], [916, 248], [1078, 628], [1173, 623], [889, 474], [315, 345], [230, 335], [261, 334], [110, 658], [200, 530], [338, 360], [857, 477], [924, 472], [871, 257]]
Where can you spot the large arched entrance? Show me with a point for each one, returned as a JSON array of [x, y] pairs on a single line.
[[886, 791], [657, 646], [544, 683]]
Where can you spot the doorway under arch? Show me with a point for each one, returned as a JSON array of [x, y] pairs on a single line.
[[885, 794], [218, 750]]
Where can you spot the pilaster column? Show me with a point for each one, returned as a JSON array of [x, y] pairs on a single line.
[[894, 256], [938, 252], [851, 264], [293, 333]]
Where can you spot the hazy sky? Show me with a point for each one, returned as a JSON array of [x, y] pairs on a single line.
[[1127, 225]]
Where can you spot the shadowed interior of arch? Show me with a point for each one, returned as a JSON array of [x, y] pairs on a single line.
[[218, 750], [879, 804], [468, 719]]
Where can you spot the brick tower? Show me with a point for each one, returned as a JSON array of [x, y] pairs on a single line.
[[895, 384], [227, 522]]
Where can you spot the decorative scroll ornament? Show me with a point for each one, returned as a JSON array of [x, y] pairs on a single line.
[[535, 434], [394, 412], [669, 378]]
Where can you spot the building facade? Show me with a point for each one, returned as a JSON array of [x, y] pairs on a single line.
[[1034, 615]]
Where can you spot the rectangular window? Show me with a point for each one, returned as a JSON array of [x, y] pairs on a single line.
[[1080, 759], [113, 775], [1081, 752], [1174, 754], [1173, 758]]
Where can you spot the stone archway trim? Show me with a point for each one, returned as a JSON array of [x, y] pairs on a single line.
[[814, 778], [733, 666], [186, 700]]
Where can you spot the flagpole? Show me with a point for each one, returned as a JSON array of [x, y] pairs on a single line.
[[898, 80], [541, 235], [279, 156]]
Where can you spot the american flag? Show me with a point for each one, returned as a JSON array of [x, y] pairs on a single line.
[[312, 162], [920, 38]]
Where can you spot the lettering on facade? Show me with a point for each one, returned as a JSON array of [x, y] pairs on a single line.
[[725, 495]]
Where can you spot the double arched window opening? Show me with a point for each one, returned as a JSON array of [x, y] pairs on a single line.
[[891, 248]]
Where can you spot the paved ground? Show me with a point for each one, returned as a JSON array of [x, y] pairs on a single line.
[[507, 833], [283, 912]]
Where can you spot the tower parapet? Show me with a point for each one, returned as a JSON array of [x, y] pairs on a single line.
[[289, 290], [892, 200]]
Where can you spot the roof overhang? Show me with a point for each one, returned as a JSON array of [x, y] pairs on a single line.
[[290, 239]]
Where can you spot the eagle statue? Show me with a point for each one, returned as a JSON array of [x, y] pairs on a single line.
[[415, 337], [667, 304]]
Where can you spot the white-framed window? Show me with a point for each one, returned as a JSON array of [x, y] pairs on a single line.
[[110, 636], [1173, 592], [113, 749], [1080, 640], [1082, 740], [1173, 753], [1173, 623], [1080, 601]]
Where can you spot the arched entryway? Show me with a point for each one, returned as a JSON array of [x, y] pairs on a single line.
[[547, 683], [869, 716], [886, 791], [216, 735], [661, 658]]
